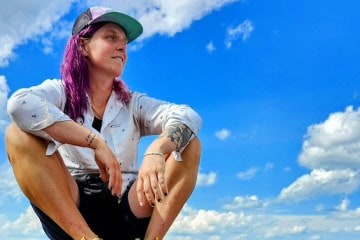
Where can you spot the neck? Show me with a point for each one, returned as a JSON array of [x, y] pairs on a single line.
[[99, 95], [100, 90]]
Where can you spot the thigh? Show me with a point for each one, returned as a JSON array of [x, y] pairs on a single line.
[[136, 209], [25, 148]]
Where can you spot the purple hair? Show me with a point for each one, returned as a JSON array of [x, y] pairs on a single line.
[[75, 76]]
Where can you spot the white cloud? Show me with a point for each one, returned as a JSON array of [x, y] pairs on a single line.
[[204, 224], [248, 174], [269, 166], [27, 226], [211, 224], [331, 150], [333, 144], [321, 182], [166, 17], [224, 224], [241, 202], [243, 30], [4, 91], [210, 47], [344, 205], [21, 21], [223, 134], [206, 179], [8, 186]]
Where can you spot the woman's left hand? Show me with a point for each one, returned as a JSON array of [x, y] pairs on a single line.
[[151, 181]]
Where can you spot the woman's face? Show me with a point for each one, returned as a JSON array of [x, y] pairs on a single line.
[[106, 51]]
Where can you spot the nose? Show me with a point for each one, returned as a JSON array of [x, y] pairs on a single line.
[[121, 46]]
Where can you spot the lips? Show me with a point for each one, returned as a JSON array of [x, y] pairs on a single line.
[[118, 58]]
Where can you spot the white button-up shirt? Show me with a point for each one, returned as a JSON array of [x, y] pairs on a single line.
[[38, 107]]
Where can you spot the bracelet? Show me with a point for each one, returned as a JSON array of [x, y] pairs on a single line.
[[84, 238], [90, 138], [154, 153]]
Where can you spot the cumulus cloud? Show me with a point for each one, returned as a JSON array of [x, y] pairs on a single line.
[[331, 150], [26, 226], [167, 17], [210, 47], [234, 225], [321, 182], [24, 20], [344, 205], [333, 144], [8, 186], [206, 179], [4, 91], [248, 174], [231, 223], [21, 21], [241, 202], [223, 134], [243, 31]]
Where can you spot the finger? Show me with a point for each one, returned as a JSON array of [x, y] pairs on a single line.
[[139, 191], [103, 174], [162, 183], [148, 192], [114, 178], [116, 190], [155, 187]]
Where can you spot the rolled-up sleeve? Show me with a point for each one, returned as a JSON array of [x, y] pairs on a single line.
[[38, 107], [156, 115]]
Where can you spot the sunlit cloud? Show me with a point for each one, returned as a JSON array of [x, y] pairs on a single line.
[[234, 224], [9, 190], [15, 29], [27, 226], [210, 47], [164, 17], [4, 91], [243, 31], [333, 144], [244, 202], [248, 174], [331, 150], [223, 134], [206, 179]]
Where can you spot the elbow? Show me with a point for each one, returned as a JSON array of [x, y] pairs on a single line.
[[15, 108], [12, 109]]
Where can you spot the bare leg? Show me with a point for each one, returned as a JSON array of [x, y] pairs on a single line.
[[181, 180], [45, 181]]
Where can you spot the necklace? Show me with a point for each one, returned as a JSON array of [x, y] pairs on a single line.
[[96, 114]]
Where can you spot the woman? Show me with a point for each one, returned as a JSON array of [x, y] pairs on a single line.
[[73, 144]]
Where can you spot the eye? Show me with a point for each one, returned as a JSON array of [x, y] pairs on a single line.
[[111, 37]]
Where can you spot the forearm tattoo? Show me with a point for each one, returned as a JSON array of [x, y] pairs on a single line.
[[178, 134]]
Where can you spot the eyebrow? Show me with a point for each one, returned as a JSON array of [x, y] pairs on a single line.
[[112, 30]]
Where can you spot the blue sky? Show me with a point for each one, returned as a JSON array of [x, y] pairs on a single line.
[[277, 84]]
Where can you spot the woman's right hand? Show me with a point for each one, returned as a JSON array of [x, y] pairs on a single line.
[[109, 167], [75, 134]]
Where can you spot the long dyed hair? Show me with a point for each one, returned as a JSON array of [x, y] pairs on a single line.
[[75, 76]]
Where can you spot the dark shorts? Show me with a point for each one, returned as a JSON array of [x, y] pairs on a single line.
[[105, 216]]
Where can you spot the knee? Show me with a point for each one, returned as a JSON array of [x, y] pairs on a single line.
[[19, 143], [192, 153]]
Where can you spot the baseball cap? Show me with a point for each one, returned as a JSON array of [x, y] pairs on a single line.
[[96, 14]]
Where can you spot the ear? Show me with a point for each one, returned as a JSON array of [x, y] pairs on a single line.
[[84, 46]]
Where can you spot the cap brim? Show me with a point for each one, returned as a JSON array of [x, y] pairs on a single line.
[[131, 26]]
